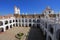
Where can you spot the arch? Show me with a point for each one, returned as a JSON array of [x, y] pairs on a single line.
[[22, 25], [29, 20], [1, 29], [19, 20], [34, 25], [26, 25], [19, 24], [51, 29], [30, 25], [10, 21], [16, 20], [58, 34], [38, 25], [16, 24], [22, 20], [10, 26], [13, 24], [1, 23], [45, 24], [25, 20], [7, 27], [38, 21], [49, 38], [13, 20], [34, 21], [6, 22], [45, 34]]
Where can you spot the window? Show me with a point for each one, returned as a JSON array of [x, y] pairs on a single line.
[[6, 22]]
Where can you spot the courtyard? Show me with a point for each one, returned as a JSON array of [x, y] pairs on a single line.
[[31, 33]]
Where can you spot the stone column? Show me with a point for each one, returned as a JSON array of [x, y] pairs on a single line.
[[28, 22], [18, 22], [8, 24], [24, 22], [21, 22], [4, 25], [32, 22]]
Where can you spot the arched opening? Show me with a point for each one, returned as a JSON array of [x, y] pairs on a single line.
[[50, 29], [29, 25], [34, 25], [45, 35], [49, 38], [1, 23], [38, 21], [1, 30], [19, 20], [13, 20], [58, 34], [10, 21], [7, 27], [25, 20], [14, 25], [34, 21], [10, 26], [19, 24], [45, 24], [22, 25], [29, 20], [16, 20], [26, 25], [38, 25], [6, 22]]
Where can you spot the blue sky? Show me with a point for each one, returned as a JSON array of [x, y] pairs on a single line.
[[28, 6]]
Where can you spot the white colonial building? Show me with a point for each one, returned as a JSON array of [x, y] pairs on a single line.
[[49, 25]]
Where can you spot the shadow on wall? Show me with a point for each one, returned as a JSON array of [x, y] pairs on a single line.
[[35, 34]]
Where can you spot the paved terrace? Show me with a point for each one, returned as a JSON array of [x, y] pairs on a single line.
[[33, 33]]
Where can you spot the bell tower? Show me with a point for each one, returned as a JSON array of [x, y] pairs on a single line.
[[16, 11]]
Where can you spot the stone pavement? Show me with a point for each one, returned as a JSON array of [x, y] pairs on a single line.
[[33, 33]]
